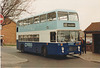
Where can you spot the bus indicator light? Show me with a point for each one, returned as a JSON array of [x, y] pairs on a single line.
[[61, 44], [47, 43], [79, 43]]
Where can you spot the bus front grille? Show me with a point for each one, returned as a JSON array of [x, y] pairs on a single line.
[[72, 48]]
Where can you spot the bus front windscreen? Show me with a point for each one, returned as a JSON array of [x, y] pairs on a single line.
[[73, 16], [67, 36]]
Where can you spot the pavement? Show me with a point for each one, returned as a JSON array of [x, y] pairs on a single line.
[[7, 59], [89, 56]]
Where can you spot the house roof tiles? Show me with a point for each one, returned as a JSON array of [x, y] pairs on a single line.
[[93, 27]]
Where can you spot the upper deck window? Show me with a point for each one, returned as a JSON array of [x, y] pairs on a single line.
[[62, 15], [30, 20], [43, 18], [73, 16], [26, 22], [51, 16], [36, 19], [20, 23]]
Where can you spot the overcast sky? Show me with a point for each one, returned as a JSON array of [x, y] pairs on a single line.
[[88, 10]]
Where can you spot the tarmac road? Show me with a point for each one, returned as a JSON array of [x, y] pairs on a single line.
[[37, 61]]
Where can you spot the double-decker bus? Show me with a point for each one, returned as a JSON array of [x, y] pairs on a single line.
[[51, 33]]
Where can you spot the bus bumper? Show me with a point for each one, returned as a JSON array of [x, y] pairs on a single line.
[[65, 50]]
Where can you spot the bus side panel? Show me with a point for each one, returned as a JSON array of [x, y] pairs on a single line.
[[31, 46], [37, 47], [52, 48], [34, 47]]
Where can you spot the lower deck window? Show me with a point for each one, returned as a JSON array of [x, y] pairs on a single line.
[[29, 38]]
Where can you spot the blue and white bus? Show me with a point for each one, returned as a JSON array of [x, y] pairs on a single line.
[[51, 33]]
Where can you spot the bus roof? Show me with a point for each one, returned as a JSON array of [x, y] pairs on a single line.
[[50, 12]]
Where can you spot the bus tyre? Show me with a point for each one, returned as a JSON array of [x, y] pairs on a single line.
[[44, 51], [22, 48]]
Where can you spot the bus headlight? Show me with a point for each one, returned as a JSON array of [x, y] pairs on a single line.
[[62, 49], [78, 48]]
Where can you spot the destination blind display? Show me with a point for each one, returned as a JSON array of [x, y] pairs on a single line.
[[69, 24]]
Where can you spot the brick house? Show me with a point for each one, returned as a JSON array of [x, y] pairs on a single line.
[[8, 32], [94, 29]]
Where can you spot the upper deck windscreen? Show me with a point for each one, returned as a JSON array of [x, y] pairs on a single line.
[[68, 16]]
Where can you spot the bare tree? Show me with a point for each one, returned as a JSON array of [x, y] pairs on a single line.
[[13, 8]]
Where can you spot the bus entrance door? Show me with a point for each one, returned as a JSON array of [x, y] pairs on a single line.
[[52, 36]]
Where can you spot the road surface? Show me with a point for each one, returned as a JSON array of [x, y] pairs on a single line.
[[37, 61]]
